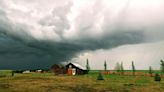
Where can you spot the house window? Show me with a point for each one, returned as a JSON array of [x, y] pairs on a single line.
[[70, 66]]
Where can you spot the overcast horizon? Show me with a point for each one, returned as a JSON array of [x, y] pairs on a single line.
[[35, 34]]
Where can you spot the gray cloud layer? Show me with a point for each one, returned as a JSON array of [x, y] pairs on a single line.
[[39, 34]]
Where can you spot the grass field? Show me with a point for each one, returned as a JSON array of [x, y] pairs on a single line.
[[47, 82]]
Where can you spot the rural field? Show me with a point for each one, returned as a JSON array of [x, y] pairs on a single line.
[[47, 82]]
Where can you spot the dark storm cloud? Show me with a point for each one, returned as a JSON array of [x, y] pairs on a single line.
[[16, 54], [34, 39]]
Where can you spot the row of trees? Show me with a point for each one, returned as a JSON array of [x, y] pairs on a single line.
[[120, 68]]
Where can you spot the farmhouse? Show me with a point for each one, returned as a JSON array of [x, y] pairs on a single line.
[[75, 69]]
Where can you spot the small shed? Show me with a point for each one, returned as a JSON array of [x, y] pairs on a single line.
[[75, 69], [58, 69]]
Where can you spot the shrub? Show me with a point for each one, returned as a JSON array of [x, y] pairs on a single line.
[[157, 77], [100, 77]]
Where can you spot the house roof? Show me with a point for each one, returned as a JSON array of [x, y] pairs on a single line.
[[78, 65]]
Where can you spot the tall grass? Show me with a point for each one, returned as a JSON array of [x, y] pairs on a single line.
[[47, 82]]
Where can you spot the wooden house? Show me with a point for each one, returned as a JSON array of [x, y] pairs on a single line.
[[75, 69]]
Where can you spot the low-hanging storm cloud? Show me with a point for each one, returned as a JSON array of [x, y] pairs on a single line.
[[36, 34]]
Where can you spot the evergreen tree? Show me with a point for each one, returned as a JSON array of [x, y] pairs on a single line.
[[162, 66], [133, 68], [150, 70], [105, 66], [122, 68], [118, 67], [87, 65]]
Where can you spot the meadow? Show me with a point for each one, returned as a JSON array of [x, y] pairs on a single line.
[[48, 82]]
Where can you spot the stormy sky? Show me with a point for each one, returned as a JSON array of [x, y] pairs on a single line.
[[34, 34]]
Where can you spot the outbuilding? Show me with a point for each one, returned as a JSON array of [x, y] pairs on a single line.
[[58, 69]]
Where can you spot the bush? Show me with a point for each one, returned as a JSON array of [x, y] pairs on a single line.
[[100, 77], [157, 77]]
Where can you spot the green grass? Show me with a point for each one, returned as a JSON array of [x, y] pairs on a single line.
[[47, 82], [4, 73]]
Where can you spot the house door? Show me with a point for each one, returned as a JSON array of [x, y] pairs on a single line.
[[74, 71]]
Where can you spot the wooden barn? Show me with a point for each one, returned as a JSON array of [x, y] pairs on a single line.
[[75, 69], [58, 69]]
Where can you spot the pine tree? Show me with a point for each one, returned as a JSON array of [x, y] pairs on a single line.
[[150, 71], [105, 66], [122, 68], [133, 68], [117, 67], [87, 65], [162, 66]]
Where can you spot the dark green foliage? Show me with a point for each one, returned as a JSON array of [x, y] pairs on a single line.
[[122, 68], [157, 77], [100, 77], [150, 71], [105, 66], [133, 68], [12, 73], [18, 71], [162, 66], [87, 65]]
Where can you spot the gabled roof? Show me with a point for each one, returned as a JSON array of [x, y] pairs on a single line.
[[78, 65]]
